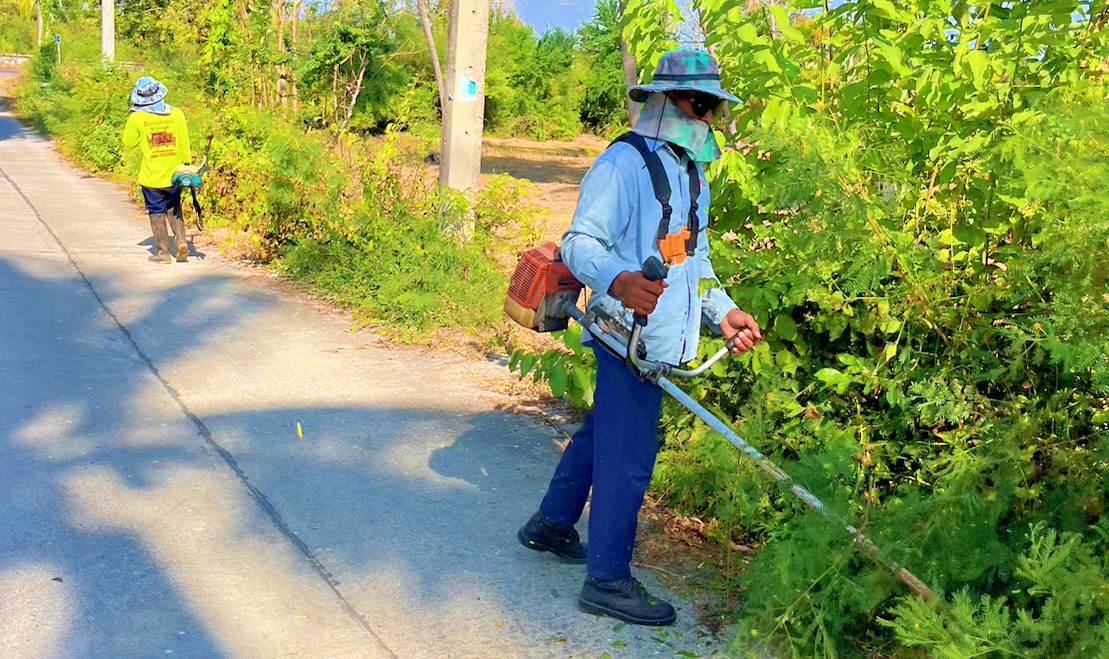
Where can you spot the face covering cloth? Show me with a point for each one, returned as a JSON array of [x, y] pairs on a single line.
[[660, 119]]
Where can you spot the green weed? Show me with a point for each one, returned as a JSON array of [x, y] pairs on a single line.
[[918, 223]]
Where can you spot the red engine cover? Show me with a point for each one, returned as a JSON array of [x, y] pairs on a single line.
[[540, 273]]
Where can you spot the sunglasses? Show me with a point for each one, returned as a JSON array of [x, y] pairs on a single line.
[[702, 103]]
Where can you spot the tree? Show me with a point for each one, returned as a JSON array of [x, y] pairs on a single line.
[[631, 75], [605, 95], [279, 20], [352, 46], [425, 21]]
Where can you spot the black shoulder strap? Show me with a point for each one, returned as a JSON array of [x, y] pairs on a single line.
[[661, 185], [659, 182], [694, 194], [196, 207]]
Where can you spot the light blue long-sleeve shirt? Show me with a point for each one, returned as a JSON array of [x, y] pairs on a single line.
[[615, 229]]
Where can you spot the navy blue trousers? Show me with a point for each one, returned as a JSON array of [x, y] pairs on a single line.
[[162, 200], [614, 453]]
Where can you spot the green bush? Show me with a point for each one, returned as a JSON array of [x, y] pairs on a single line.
[[349, 217], [85, 105], [917, 218], [1060, 597], [17, 36], [400, 255]]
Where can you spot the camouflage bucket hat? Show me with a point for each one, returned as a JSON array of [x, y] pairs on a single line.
[[684, 69]]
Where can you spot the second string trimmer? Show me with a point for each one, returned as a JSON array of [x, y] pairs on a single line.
[[191, 177]]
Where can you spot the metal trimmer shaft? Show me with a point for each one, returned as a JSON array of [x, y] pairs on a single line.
[[618, 346]]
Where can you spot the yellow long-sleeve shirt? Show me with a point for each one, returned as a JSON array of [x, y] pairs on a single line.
[[164, 140]]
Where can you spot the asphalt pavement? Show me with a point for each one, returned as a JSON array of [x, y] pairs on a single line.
[[156, 498]]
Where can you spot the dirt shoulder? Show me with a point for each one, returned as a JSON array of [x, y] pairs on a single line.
[[554, 168], [7, 78]]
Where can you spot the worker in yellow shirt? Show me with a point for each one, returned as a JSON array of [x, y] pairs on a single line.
[[163, 135]]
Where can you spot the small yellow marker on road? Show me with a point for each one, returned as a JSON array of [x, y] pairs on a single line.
[[300, 431]]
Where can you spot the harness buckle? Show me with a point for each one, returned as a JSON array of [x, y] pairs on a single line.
[[673, 247]]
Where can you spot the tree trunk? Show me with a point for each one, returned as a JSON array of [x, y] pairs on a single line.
[[279, 26], [429, 35], [294, 38], [631, 76], [38, 24], [334, 92], [357, 89]]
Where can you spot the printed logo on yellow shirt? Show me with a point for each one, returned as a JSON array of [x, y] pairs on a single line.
[[163, 145]]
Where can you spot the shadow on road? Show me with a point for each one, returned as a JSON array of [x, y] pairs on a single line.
[[68, 381], [8, 130], [105, 484]]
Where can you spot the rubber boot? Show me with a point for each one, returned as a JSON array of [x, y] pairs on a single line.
[[181, 249], [161, 238]]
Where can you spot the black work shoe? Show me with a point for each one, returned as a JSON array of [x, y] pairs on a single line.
[[627, 600], [561, 541]]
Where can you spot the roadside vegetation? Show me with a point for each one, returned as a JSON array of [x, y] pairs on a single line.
[[913, 201], [322, 123]]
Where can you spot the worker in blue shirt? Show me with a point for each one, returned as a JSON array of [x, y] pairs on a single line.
[[616, 227]]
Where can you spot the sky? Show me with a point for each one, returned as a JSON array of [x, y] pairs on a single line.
[[545, 14]]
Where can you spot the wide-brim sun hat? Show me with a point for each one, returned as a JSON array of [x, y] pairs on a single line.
[[148, 94], [684, 69]]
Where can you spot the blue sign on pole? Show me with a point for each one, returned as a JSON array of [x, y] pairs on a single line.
[[467, 89], [57, 38]]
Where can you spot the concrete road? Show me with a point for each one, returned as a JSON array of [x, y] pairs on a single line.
[[156, 500]]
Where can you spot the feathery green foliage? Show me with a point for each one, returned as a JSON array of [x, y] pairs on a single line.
[[914, 203]]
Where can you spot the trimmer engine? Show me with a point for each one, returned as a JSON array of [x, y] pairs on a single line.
[[540, 290]]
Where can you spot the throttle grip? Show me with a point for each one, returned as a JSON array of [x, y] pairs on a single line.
[[653, 270]]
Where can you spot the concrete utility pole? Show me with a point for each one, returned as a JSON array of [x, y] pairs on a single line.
[[464, 116], [108, 29]]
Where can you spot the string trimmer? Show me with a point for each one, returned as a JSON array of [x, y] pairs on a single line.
[[542, 297], [190, 176]]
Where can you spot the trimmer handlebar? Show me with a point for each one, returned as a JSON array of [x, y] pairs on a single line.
[[203, 167], [652, 369], [655, 270]]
